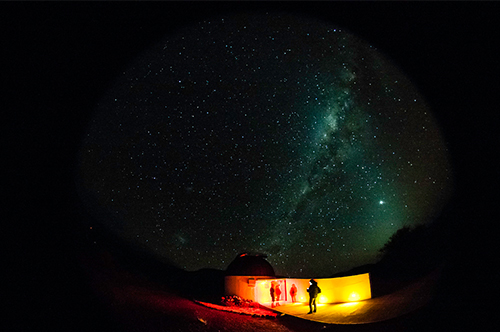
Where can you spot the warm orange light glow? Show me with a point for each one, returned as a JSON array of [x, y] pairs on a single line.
[[349, 289], [347, 305], [354, 297], [349, 308]]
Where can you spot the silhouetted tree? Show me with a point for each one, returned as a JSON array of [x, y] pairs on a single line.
[[395, 241], [412, 252]]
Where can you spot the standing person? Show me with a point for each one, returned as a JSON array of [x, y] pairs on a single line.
[[278, 294], [271, 291], [293, 293], [313, 291]]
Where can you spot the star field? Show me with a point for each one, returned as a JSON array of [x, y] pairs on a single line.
[[264, 133]]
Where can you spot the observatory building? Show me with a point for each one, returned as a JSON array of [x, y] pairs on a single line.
[[251, 277]]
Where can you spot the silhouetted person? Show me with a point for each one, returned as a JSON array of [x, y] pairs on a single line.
[[278, 293], [293, 293], [313, 291], [271, 290]]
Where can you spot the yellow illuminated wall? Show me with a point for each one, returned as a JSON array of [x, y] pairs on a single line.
[[333, 290], [345, 289]]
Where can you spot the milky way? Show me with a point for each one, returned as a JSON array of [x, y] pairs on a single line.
[[263, 133]]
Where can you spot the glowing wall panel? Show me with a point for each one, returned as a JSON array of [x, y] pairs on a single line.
[[300, 284], [263, 294], [345, 289], [352, 288], [333, 290]]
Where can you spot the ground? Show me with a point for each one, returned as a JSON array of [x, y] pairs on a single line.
[[134, 303]]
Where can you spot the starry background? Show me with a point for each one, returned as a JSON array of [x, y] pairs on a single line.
[[268, 133], [60, 62]]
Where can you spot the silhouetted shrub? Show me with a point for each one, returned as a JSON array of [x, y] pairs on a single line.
[[236, 301]]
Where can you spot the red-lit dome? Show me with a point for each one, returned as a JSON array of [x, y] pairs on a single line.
[[250, 265]]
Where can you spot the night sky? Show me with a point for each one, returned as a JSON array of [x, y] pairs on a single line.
[[268, 133]]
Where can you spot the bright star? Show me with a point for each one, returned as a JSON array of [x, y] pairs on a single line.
[[381, 202]]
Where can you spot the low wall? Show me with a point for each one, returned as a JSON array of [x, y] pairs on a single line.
[[333, 290]]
